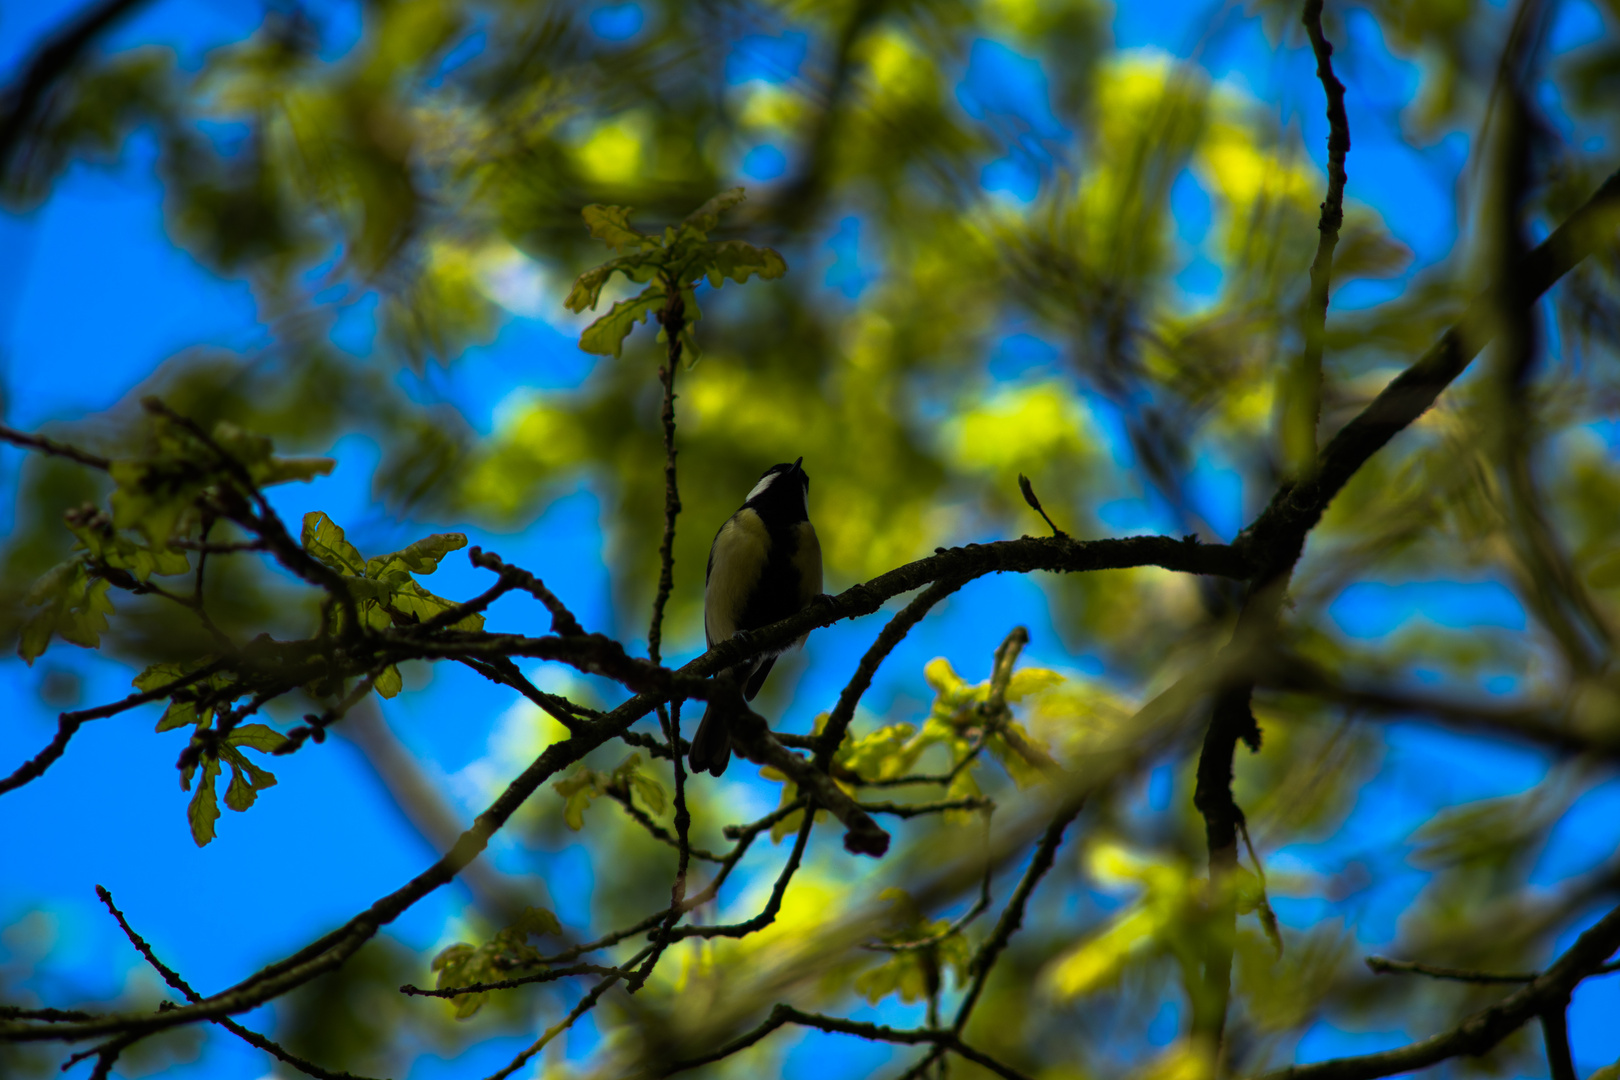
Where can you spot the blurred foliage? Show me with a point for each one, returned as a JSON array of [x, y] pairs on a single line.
[[933, 341]]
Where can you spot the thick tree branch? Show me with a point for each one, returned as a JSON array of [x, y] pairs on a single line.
[[50, 62]]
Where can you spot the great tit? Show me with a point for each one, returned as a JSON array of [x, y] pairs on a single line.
[[764, 565]]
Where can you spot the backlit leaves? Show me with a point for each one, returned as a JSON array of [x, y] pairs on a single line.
[[384, 591], [247, 779], [915, 973], [586, 785], [680, 258], [507, 955], [69, 602]]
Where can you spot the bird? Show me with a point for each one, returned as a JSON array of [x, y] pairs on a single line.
[[764, 565]]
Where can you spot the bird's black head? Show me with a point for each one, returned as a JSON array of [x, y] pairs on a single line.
[[782, 495]]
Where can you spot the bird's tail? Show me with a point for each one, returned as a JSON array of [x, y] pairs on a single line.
[[711, 746]]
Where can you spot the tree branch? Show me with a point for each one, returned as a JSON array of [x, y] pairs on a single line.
[[786, 1014], [50, 62], [1484, 1029], [172, 977]]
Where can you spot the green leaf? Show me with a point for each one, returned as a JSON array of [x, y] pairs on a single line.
[[650, 790], [578, 790], [1027, 681], [421, 557], [739, 260], [389, 684], [700, 222], [605, 336], [611, 225], [323, 539], [204, 808], [240, 794], [286, 470], [260, 737], [640, 267], [411, 599], [537, 922], [152, 497], [71, 603], [179, 714], [255, 453]]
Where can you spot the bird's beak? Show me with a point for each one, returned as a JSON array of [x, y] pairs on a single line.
[[796, 465]]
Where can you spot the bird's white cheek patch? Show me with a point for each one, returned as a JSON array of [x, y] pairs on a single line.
[[759, 489], [740, 553]]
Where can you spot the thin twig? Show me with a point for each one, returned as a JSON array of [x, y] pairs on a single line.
[[587, 1003], [173, 978], [1307, 382], [1035, 504], [673, 318], [944, 1039], [832, 736], [52, 447], [562, 620], [1012, 916], [1383, 965]]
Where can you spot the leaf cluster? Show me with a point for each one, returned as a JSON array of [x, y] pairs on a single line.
[[506, 955], [668, 264]]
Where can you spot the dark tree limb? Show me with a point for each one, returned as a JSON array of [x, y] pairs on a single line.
[[1555, 1035], [1484, 1029], [20, 103], [1307, 381], [1383, 965]]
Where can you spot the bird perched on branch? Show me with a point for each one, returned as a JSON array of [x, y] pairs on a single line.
[[764, 565]]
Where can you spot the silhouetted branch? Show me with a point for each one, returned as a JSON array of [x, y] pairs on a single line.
[[1383, 965], [1012, 916], [787, 1014], [1484, 1029], [49, 63], [173, 978]]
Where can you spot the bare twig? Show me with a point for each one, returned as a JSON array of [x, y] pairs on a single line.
[[1012, 916], [172, 977], [832, 735], [1383, 965], [50, 446], [1035, 504], [1484, 1029], [562, 620], [1307, 381], [673, 318], [944, 1039]]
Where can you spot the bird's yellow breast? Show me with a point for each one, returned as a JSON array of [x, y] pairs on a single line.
[[740, 552]]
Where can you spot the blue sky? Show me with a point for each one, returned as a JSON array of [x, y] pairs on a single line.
[[139, 299]]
